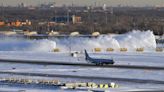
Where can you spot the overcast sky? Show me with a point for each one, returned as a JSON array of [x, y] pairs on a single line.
[[87, 2]]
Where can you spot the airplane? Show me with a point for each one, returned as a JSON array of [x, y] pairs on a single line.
[[98, 61]]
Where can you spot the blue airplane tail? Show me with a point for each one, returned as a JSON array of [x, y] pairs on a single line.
[[86, 55]]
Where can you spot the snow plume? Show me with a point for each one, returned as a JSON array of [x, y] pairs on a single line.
[[137, 39], [131, 40], [43, 45], [20, 44]]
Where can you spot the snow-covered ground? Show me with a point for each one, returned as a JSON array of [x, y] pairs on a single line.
[[131, 41], [125, 58], [147, 59], [41, 50]]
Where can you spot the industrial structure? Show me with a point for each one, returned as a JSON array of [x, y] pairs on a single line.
[[16, 23], [67, 19]]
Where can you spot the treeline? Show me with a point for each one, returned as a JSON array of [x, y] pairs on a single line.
[[111, 20]]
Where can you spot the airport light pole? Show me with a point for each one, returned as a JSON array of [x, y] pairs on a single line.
[[105, 11], [68, 11]]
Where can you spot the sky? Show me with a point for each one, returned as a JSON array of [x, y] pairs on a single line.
[[87, 2]]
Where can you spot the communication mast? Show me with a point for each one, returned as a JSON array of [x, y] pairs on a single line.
[[105, 11], [104, 7]]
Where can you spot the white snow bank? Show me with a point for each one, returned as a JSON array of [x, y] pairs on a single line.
[[26, 45], [131, 40]]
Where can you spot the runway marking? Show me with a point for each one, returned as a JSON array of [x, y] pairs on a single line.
[[84, 77], [80, 64]]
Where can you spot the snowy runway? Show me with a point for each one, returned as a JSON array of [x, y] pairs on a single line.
[[41, 50]]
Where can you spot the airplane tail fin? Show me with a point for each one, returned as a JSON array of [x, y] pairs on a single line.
[[86, 55]]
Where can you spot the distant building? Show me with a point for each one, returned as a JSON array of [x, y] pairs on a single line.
[[2, 23], [76, 19], [47, 6], [65, 19], [18, 23], [21, 5]]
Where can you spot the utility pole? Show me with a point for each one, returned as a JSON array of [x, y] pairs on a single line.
[[95, 4], [68, 16], [2, 11], [89, 8], [105, 11]]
